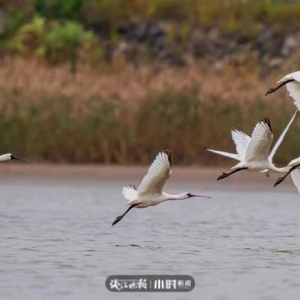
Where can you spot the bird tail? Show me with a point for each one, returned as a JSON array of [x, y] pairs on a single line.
[[130, 193]]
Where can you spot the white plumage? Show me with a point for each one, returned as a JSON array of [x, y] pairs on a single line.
[[292, 83], [261, 140], [241, 140], [254, 152], [157, 175], [129, 193], [296, 179], [150, 191]]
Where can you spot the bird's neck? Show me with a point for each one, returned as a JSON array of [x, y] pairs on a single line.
[[280, 170], [174, 197]]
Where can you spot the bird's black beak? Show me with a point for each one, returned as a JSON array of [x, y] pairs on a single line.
[[18, 158], [192, 195]]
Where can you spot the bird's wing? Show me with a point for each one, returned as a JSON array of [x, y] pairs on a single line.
[[129, 192], [294, 92], [261, 140], [223, 153], [296, 178], [241, 140], [287, 77], [296, 76], [158, 174], [281, 137]]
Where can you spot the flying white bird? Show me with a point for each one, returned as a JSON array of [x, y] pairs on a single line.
[[150, 191], [241, 140], [292, 82], [254, 152], [295, 173], [9, 156]]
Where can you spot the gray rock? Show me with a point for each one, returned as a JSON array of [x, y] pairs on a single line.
[[291, 43]]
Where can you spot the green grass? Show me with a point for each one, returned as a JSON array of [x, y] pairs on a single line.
[[109, 132], [230, 16]]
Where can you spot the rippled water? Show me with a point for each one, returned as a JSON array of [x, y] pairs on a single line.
[[57, 240]]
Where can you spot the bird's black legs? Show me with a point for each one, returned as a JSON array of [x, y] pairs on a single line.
[[119, 218], [280, 179], [272, 90], [224, 175]]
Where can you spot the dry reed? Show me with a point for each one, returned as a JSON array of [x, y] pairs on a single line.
[[126, 115]]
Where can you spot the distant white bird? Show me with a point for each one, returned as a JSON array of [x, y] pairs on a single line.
[[150, 191], [254, 153], [292, 82], [9, 156]]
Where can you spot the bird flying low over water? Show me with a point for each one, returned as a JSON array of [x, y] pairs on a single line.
[[241, 140], [9, 156], [292, 83], [254, 152], [150, 191]]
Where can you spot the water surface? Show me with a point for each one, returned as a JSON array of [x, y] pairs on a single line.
[[57, 241]]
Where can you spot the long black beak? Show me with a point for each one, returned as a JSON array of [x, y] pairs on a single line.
[[191, 195], [18, 158]]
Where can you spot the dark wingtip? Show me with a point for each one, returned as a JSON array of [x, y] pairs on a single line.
[[237, 127], [269, 124], [168, 152], [267, 121], [132, 186]]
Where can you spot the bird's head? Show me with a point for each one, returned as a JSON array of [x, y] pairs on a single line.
[[189, 195]]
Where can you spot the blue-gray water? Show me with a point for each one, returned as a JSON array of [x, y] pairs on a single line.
[[57, 241]]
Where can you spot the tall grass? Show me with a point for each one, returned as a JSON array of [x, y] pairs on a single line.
[[126, 117]]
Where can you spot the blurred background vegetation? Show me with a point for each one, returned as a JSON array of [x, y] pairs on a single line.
[[115, 81]]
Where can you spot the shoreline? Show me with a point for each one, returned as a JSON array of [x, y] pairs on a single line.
[[109, 172]]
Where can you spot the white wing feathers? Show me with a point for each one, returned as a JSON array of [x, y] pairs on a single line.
[[294, 92], [261, 140], [223, 153], [241, 141], [129, 192], [281, 137], [296, 178], [293, 87], [158, 174], [286, 78], [293, 76]]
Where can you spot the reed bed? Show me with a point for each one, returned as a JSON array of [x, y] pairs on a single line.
[[124, 115]]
